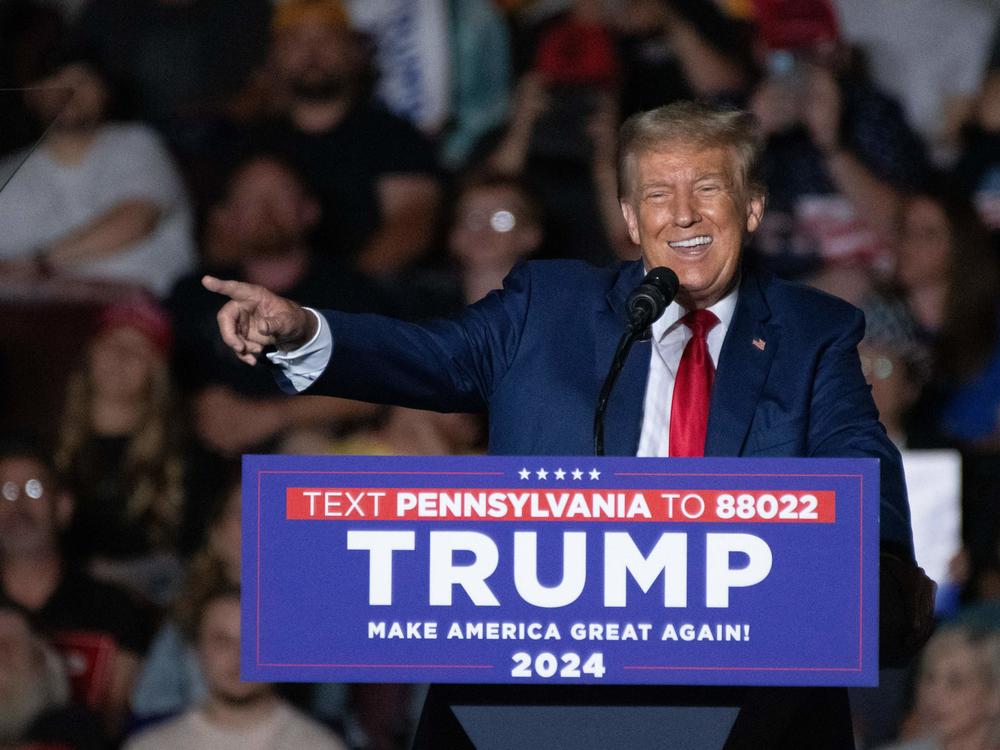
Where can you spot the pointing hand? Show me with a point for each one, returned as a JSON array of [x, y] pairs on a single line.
[[255, 318]]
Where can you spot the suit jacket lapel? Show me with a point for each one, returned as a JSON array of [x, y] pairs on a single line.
[[623, 418], [745, 360]]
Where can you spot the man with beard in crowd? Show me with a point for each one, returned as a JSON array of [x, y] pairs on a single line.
[[373, 173]]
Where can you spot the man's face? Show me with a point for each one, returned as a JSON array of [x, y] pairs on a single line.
[[265, 211], [316, 61], [492, 228], [687, 210], [31, 510], [75, 97], [121, 363], [219, 653]]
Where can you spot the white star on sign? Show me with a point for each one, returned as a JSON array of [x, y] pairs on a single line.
[[560, 474], [542, 474], [524, 473], [594, 474], [577, 474]]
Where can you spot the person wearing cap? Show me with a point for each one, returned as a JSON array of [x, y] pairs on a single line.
[[122, 453], [373, 173], [839, 154]]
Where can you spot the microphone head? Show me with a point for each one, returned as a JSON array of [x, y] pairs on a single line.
[[651, 297], [665, 281]]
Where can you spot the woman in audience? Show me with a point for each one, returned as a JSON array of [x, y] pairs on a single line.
[[950, 276], [120, 447], [958, 693]]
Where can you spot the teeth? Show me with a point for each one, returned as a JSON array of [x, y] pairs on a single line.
[[693, 242]]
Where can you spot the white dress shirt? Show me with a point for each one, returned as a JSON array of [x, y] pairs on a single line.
[[305, 364], [670, 336]]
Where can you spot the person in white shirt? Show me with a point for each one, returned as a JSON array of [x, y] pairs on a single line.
[[98, 199], [236, 715]]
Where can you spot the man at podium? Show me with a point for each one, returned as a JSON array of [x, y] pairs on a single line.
[[739, 364]]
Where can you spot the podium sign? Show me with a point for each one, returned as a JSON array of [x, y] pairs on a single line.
[[560, 570]]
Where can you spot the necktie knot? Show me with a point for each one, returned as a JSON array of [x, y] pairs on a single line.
[[700, 322]]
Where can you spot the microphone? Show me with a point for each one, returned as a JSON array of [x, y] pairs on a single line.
[[651, 297], [645, 305]]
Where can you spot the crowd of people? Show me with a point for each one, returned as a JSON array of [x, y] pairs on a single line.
[[401, 158]]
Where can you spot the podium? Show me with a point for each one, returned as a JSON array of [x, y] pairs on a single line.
[[572, 601]]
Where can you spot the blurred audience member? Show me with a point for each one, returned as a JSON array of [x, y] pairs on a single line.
[[97, 199], [235, 715], [99, 629], [837, 157], [497, 222], [929, 55], [373, 173], [711, 44], [171, 679], [895, 361], [177, 59], [399, 431], [957, 693], [261, 233], [977, 170], [950, 278], [562, 132], [652, 73], [121, 452], [34, 693]]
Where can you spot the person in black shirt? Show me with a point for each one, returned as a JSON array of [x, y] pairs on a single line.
[[260, 232], [373, 173]]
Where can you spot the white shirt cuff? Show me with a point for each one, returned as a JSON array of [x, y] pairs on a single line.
[[301, 367]]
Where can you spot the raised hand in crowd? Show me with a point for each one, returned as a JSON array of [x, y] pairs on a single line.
[[821, 108]]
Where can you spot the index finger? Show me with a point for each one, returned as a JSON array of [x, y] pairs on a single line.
[[237, 290]]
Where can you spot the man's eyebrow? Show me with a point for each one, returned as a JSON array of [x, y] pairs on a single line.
[[655, 183]]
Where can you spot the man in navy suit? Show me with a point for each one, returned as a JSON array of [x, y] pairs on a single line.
[[788, 379]]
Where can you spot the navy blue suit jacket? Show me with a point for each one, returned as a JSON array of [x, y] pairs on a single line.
[[534, 355]]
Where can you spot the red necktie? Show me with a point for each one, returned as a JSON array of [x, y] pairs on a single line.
[[693, 388]]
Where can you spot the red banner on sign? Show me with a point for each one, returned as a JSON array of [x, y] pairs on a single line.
[[662, 506]]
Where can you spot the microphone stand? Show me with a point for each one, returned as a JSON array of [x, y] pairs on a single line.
[[624, 345]]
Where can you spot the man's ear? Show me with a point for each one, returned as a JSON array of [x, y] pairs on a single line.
[[631, 221], [755, 211]]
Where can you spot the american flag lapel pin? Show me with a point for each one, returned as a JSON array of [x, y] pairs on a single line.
[[759, 343]]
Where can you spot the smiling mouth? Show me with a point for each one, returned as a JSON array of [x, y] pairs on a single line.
[[693, 242]]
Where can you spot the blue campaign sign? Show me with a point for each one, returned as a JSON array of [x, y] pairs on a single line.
[[560, 570]]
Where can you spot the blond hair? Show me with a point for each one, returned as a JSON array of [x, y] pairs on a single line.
[[153, 466], [693, 124]]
